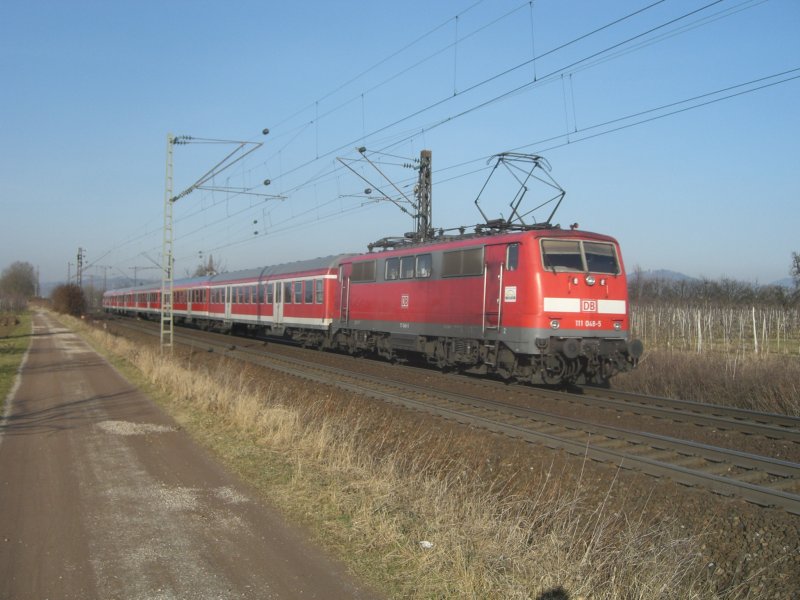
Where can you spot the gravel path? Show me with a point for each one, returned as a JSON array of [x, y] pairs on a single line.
[[102, 496]]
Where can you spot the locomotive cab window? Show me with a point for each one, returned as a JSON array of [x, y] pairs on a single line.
[[579, 256], [601, 258], [562, 255]]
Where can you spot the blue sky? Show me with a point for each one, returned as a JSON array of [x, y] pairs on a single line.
[[91, 89]]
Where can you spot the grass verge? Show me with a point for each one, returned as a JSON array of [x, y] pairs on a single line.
[[15, 337], [413, 508]]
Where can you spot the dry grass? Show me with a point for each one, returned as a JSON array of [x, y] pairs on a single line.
[[763, 383], [373, 490]]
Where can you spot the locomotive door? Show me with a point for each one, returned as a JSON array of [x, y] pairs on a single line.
[[494, 260], [344, 292]]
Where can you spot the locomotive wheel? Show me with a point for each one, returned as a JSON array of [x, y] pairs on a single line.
[[553, 371]]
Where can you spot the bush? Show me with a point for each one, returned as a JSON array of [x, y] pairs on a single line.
[[69, 299]]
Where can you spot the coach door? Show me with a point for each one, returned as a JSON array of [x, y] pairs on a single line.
[[494, 260], [277, 303], [227, 299]]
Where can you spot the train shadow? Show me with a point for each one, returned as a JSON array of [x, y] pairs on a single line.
[[557, 593]]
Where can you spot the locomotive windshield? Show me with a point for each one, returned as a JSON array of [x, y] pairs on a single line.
[[579, 256]]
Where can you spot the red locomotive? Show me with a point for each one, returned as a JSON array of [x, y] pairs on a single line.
[[529, 303]]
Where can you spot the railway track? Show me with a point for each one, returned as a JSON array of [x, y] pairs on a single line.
[[762, 480]]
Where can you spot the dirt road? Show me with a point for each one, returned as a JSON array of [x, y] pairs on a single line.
[[102, 496]]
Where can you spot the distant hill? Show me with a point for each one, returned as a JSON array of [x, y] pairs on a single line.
[[663, 274], [786, 282]]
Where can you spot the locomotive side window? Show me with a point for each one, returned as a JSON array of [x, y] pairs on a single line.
[[601, 258], [458, 263], [287, 292], [309, 293], [407, 267], [512, 257], [562, 255], [392, 269], [363, 271], [319, 291], [424, 265]]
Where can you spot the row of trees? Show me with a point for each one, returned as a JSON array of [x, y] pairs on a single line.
[[701, 292], [18, 285]]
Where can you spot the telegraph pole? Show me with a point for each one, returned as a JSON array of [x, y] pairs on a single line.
[[81, 256]]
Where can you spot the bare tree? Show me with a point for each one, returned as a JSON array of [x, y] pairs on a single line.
[[208, 268], [17, 286], [795, 270]]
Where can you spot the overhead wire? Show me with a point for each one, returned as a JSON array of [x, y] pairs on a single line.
[[418, 131]]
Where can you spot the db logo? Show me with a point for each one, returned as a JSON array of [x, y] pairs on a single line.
[[404, 301], [588, 305]]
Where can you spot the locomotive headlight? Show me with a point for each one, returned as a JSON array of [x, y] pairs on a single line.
[[617, 325], [554, 324], [590, 280]]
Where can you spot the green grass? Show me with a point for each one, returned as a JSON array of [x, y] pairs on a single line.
[[14, 341]]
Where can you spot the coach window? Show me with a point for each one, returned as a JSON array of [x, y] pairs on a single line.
[[512, 257], [319, 291], [287, 292], [424, 265], [407, 267], [298, 292], [270, 293], [392, 269], [309, 291]]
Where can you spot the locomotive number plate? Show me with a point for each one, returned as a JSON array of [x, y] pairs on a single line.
[[404, 301], [581, 323]]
